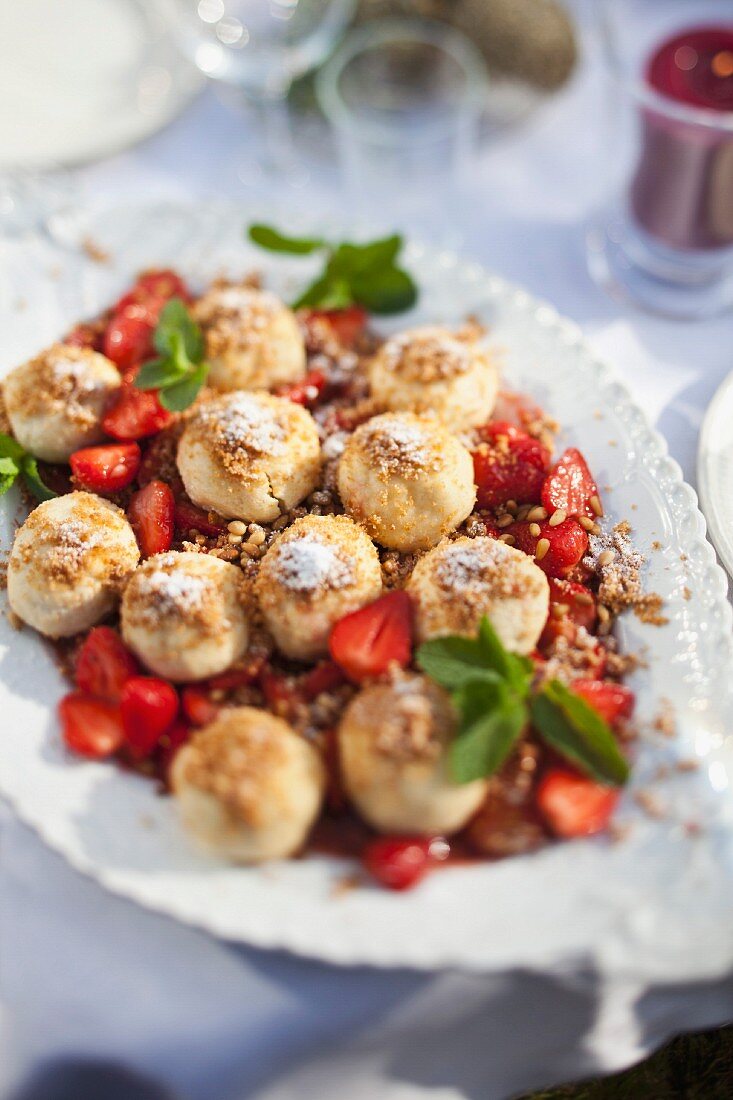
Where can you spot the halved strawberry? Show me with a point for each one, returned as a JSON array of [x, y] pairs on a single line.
[[574, 806], [568, 544], [198, 706], [106, 469], [90, 727], [238, 675], [190, 518], [398, 862], [151, 514], [612, 701], [366, 642], [128, 338], [324, 677], [347, 324], [307, 391], [571, 605], [135, 414], [104, 664], [148, 706], [161, 285], [569, 486], [508, 464]]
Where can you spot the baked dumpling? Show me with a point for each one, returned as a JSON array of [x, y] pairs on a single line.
[[252, 339], [249, 456], [394, 742], [458, 582], [184, 615], [320, 569], [69, 562], [248, 786], [56, 401], [432, 371], [407, 480]]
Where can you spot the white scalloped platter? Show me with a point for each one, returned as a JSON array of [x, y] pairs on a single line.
[[656, 904]]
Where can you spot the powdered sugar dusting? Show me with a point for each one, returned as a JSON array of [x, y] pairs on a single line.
[[397, 444], [245, 424], [73, 541], [462, 567], [619, 565], [426, 354], [306, 565], [175, 591]]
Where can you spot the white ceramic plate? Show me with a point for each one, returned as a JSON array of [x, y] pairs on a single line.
[[656, 905], [715, 471]]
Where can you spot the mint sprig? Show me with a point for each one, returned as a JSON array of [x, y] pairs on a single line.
[[366, 275], [16, 462], [180, 371], [493, 693]]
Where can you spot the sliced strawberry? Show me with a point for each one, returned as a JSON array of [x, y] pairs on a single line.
[[104, 664], [168, 745], [238, 675], [508, 464], [148, 706], [106, 469], [324, 677], [190, 518], [571, 605], [128, 338], [574, 806], [151, 514], [307, 391], [366, 642], [90, 727], [347, 324], [612, 701], [569, 486], [198, 706], [157, 285], [134, 413], [279, 692], [398, 862], [568, 544]]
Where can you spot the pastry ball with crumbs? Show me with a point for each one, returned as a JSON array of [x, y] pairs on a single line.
[[320, 569], [434, 371], [458, 582], [55, 402], [394, 744], [249, 456], [69, 562], [407, 480], [184, 615], [248, 787], [252, 339]]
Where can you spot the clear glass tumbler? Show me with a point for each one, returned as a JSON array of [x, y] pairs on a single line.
[[666, 243], [404, 98]]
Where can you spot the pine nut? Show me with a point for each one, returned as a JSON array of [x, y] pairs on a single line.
[[586, 523], [542, 547], [595, 503], [606, 557], [508, 539], [256, 536], [558, 517], [234, 539], [535, 529], [505, 520], [537, 513], [584, 598], [236, 527]]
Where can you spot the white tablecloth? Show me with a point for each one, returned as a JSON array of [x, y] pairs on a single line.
[[84, 973]]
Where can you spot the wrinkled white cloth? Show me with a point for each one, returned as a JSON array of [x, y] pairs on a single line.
[[83, 973]]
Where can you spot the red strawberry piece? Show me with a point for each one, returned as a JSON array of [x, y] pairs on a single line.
[[366, 642], [568, 545], [104, 664], [151, 515], [190, 518], [148, 706], [508, 464], [85, 336], [571, 605], [574, 806], [307, 391], [612, 701], [198, 706], [238, 675], [279, 691], [157, 286], [128, 338], [518, 409], [134, 413], [398, 862], [90, 727], [347, 324], [168, 745], [324, 677], [106, 469], [570, 487]]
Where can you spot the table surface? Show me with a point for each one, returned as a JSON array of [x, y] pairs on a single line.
[[84, 973]]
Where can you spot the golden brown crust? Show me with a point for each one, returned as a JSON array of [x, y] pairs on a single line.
[[60, 379], [426, 355], [235, 316], [181, 589], [400, 444]]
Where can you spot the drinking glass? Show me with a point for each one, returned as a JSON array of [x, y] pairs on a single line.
[[259, 47], [666, 242], [404, 98]]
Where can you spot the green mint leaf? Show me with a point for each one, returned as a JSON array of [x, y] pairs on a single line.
[[268, 237], [517, 671], [180, 395], [492, 722], [158, 373], [453, 661], [8, 473], [361, 259], [176, 332], [578, 732], [387, 290], [32, 478], [325, 293], [9, 448]]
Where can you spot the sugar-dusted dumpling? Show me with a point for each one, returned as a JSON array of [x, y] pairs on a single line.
[[458, 582], [69, 562], [252, 339], [249, 456], [320, 569], [434, 371], [394, 743], [56, 401], [248, 786], [407, 480]]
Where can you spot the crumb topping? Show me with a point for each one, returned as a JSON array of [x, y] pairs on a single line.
[[619, 566], [400, 445], [308, 565], [242, 427], [407, 727], [62, 379], [182, 590], [235, 317], [426, 355], [483, 563]]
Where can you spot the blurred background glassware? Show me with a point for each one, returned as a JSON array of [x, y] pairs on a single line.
[[404, 98], [258, 48], [666, 243]]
